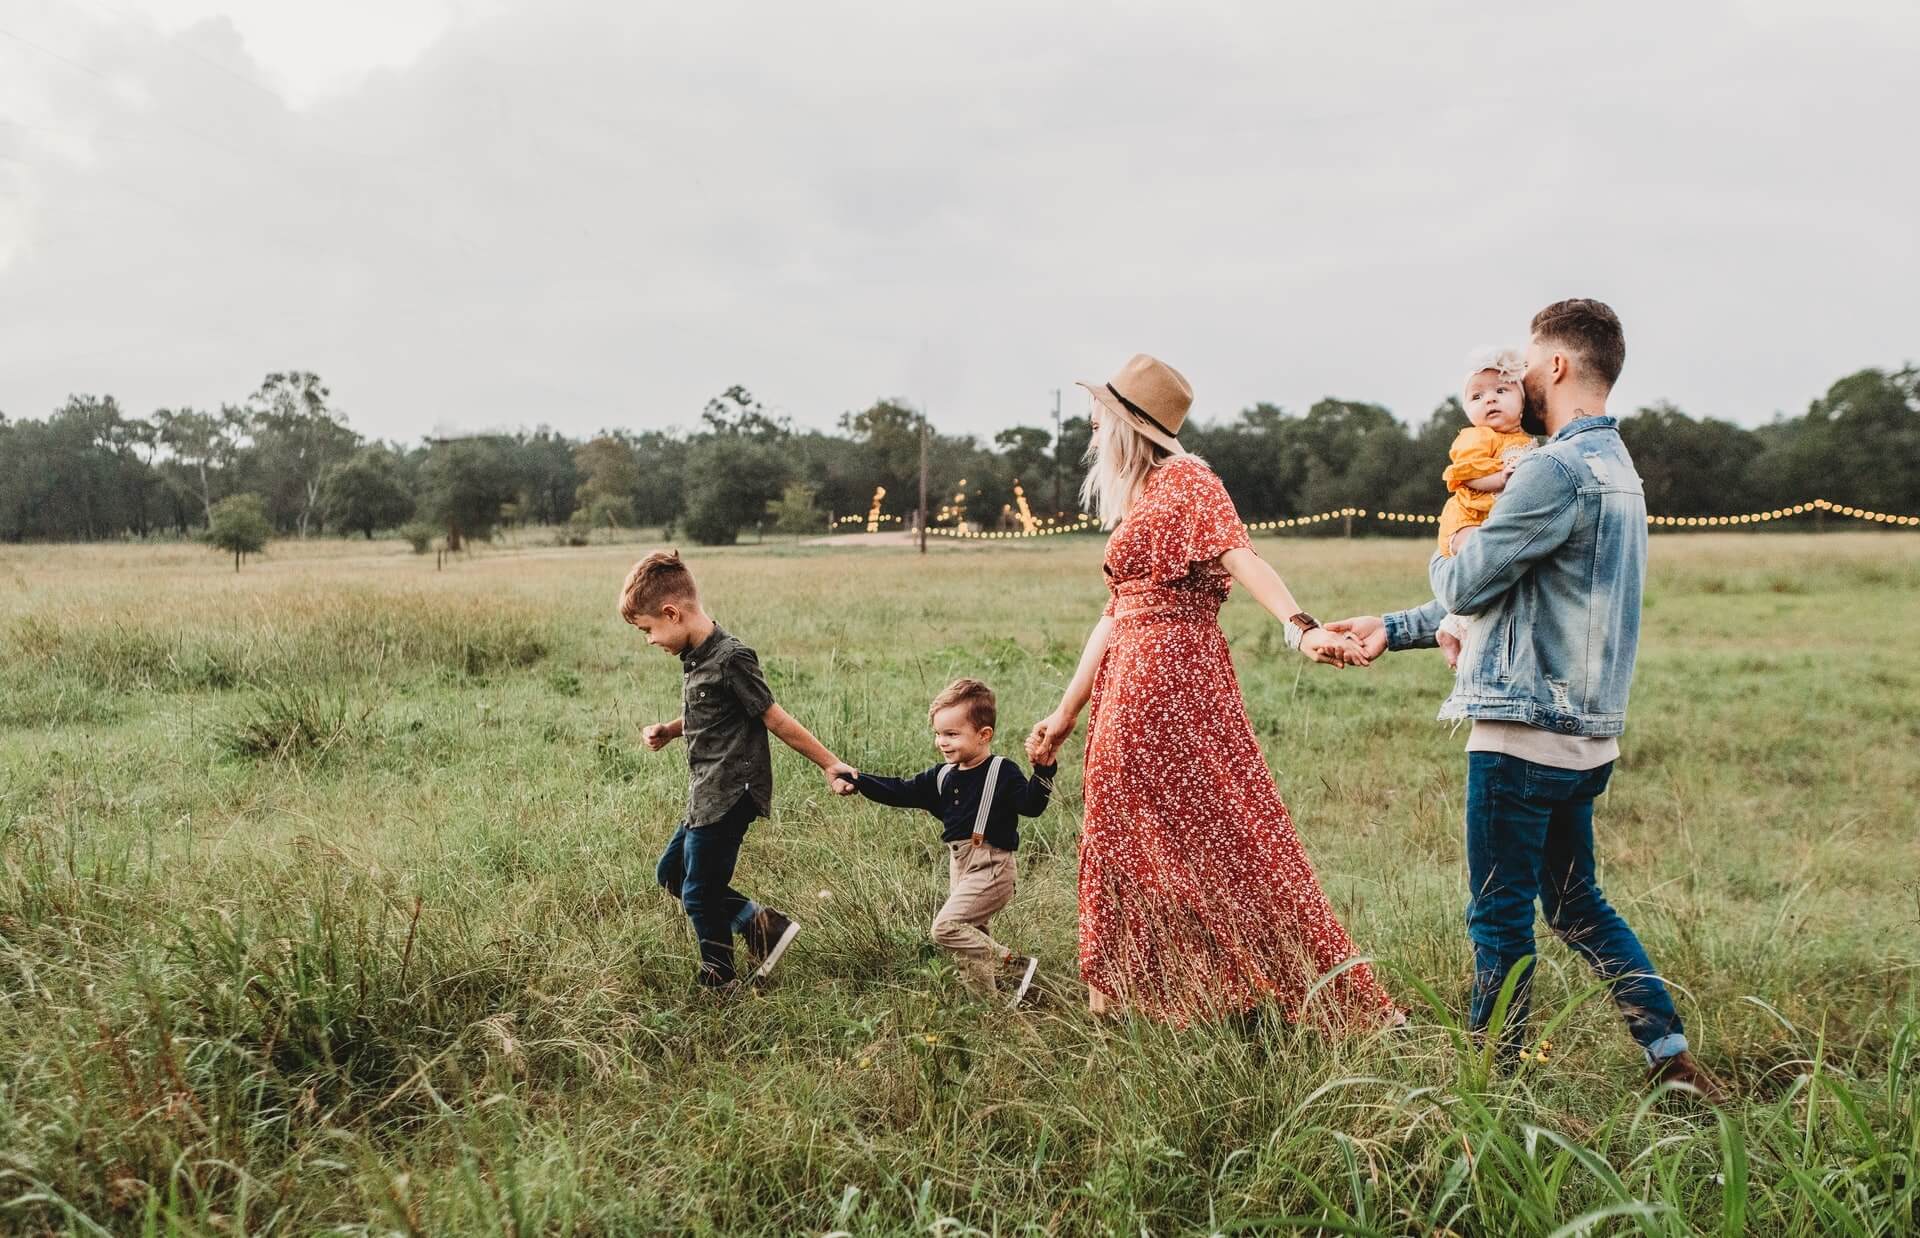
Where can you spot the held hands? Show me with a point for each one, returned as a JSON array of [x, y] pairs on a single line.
[[1369, 630], [1339, 649], [840, 777], [1043, 744], [1449, 645]]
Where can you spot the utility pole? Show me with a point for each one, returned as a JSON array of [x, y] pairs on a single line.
[[923, 481], [1057, 506]]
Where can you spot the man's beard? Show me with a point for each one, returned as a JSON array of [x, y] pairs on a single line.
[[1533, 410]]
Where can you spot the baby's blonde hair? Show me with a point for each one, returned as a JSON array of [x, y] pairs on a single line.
[[1506, 362]]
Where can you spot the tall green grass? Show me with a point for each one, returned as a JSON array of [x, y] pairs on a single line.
[[363, 936]]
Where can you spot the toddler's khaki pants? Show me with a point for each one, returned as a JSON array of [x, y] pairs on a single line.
[[980, 884]]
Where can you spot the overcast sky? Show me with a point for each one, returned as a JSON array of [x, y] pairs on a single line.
[[511, 213]]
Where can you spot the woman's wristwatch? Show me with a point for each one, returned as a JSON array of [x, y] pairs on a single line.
[[1297, 627]]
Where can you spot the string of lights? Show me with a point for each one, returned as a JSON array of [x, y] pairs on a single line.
[[1787, 513], [1084, 522]]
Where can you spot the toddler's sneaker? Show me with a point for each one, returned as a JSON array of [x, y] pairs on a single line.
[[1026, 965]]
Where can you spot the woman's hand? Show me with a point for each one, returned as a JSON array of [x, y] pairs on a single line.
[[1333, 648], [1043, 744]]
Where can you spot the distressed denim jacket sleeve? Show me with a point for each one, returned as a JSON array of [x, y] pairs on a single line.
[[1534, 517], [1414, 627]]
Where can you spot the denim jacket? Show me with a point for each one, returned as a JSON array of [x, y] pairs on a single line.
[[1553, 581]]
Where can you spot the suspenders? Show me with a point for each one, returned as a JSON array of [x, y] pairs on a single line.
[[986, 794]]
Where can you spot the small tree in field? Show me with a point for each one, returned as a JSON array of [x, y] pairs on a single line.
[[465, 483], [795, 511], [730, 480], [364, 492], [239, 523]]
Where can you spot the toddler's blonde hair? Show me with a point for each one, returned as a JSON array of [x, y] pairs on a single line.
[[976, 696], [1506, 362]]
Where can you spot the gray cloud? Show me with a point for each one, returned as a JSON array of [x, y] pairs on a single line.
[[580, 216]]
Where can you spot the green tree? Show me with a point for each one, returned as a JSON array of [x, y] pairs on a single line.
[[296, 439], [889, 430], [660, 494], [543, 463], [77, 475], [200, 448], [1421, 489], [239, 524], [730, 480], [365, 492], [1258, 458], [1356, 454], [1688, 467], [735, 411], [464, 484], [1859, 445], [610, 478], [1024, 457], [796, 512]]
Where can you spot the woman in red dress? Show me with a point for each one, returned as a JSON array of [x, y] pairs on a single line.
[[1196, 898]]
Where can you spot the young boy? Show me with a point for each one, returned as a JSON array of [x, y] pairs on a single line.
[[726, 711], [979, 798]]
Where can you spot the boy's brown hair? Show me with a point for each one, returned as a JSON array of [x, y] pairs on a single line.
[[976, 696], [1590, 329], [654, 581]]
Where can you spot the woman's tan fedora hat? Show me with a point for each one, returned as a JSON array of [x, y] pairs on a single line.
[[1151, 395]]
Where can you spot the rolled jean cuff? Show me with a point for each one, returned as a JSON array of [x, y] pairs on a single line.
[[1671, 1045], [752, 909]]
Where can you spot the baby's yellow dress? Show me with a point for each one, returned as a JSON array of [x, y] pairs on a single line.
[[1476, 452]]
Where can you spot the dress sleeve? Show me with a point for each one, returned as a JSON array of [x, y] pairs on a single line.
[[1475, 453], [1197, 523]]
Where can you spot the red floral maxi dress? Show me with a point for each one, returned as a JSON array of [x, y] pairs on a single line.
[[1196, 898]]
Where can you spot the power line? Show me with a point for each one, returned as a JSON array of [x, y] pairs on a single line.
[[189, 50], [76, 66]]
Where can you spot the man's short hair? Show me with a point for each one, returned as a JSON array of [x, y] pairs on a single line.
[[1588, 329], [654, 581], [976, 696]]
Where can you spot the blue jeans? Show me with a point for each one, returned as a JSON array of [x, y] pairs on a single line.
[[1530, 835], [697, 869]]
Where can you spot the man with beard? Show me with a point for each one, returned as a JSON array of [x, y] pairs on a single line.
[[1554, 578]]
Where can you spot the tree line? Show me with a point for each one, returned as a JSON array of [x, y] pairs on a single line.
[[286, 462]]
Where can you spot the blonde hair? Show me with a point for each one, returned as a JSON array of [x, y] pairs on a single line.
[[653, 582], [976, 696], [1119, 460], [1506, 362]]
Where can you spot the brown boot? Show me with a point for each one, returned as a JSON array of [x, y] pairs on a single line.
[[1682, 1069]]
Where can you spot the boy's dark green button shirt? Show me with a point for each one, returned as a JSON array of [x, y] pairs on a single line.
[[723, 697]]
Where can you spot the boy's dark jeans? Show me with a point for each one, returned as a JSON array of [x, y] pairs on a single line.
[[696, 868], [1530, 835]]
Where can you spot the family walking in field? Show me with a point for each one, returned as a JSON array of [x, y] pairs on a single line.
[[1197, 900]]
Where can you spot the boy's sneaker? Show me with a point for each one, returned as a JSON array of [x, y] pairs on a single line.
[[1026, 965], [767, 937]]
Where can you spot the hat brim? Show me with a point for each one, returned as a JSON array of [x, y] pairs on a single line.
[[1151, 432]]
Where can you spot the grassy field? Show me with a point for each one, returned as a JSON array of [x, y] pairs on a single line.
[[327, 905]]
